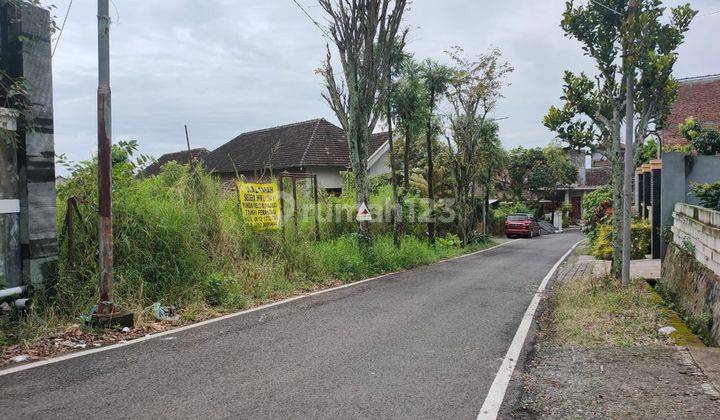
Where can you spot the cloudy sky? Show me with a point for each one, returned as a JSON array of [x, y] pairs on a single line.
[[227, 66]]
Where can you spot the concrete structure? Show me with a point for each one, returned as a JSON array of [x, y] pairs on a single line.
[[699, 227], [691, 268], [29, 175], [679, 173]]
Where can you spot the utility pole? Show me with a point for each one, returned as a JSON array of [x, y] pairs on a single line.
[[187, 139], [629, 169], [106, 306]]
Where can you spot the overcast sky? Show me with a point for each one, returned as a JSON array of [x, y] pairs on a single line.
[[228, 66]]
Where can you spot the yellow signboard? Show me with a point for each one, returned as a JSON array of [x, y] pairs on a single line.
[[260, 205]]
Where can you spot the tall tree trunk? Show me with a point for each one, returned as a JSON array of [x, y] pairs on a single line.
[[629, 154], [431, 188], [357, 137], [617, 189], [397, 213], [406, 161], [486, 201]]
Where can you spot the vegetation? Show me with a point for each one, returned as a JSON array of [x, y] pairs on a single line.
[[602, 245], [706, 141], [598, 312], [648, 151], [709, 194], [625, 44], [473, 93], [533, 171], [364, 34], [598, 227], [179, 241]]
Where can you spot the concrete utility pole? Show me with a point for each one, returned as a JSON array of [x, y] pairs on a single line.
[[629, 169], [106, 306]]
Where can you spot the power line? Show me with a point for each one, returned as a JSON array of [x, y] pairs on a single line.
[[312, 20], [606, 7], [57, 41]]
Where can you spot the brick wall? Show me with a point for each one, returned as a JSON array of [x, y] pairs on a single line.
[[697, 97]]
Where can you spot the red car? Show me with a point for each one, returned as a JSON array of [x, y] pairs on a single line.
[[521, 225]]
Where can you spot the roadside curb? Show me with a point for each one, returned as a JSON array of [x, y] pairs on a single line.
[[496, 394]]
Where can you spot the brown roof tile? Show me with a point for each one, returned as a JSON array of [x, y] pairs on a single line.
[[308, 143], [697, 97], [181, 157]]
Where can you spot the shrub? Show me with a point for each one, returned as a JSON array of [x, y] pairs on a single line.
[[709, 194], [223, 291], [641, 233], [598, 208], [705, 140]]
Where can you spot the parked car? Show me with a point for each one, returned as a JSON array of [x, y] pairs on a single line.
[[521, 224]]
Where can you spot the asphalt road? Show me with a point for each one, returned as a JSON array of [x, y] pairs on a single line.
[[426, 343]]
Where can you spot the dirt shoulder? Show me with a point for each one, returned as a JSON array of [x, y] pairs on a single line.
[[598, 354]]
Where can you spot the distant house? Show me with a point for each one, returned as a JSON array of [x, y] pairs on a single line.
[[180, 157], [315, 147], [697, 97], [594, 172]]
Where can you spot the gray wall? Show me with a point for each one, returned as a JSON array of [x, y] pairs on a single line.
[[25, 52], [679, 172]]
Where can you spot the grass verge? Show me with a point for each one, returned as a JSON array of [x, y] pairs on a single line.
[[594, 311]]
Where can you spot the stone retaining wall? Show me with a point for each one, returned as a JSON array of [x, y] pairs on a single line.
[[691, 268]]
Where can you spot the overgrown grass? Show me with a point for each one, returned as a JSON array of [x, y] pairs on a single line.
[[599, 312], [179, 241]]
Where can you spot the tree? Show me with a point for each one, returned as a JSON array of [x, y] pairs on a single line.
[[436, 78], [593, 111], [409, 102], [535, 171], [474, 90], [492, 160], [364, 33], [397, 209]]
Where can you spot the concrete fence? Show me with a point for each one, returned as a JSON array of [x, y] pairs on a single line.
[[691, 268], [697, 230], [679, 173]]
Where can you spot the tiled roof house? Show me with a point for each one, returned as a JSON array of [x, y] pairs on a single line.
[[315, 146]]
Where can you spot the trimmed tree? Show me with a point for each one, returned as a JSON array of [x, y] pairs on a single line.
[[594, 109], [473, 93], [364, 34]]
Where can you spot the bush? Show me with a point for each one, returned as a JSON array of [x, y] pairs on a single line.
[[344, 259], [705, 140], [709, 194], [598, 209], [223, 291], [641, 233]]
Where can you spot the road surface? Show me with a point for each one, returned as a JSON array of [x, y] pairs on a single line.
[[426, 343]]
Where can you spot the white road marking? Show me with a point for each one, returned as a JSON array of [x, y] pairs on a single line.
[[218, 319], [496, 394]]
